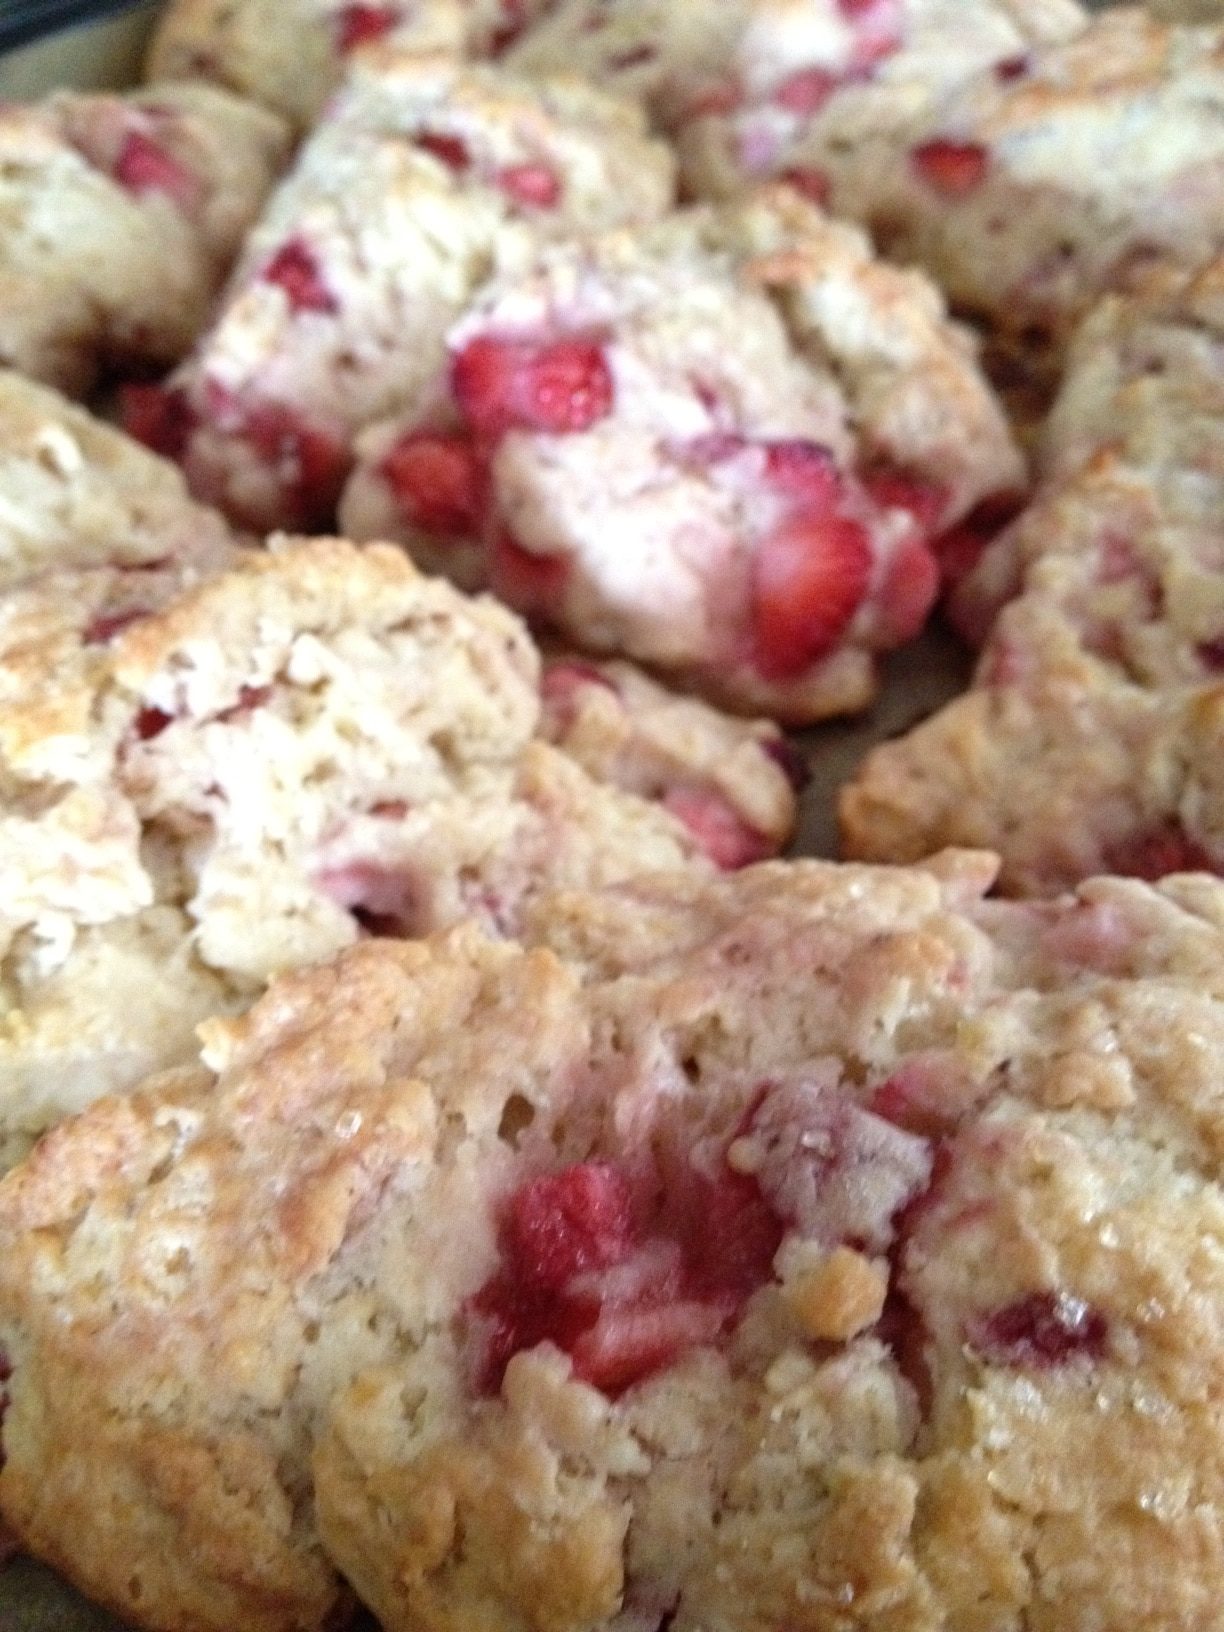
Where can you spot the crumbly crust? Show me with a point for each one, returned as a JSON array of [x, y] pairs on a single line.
[[729, 341], [122, 215], [238, 1312], [424, 173]]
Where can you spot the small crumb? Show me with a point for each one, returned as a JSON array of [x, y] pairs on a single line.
[[834, 1295]]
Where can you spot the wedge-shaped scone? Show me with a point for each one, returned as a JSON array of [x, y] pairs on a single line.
[[1093, 738], [122, 215], [248, 773], [1028, 189], [720, 445], [75, 492], [423, 174], [290, 54], [710, 1278]]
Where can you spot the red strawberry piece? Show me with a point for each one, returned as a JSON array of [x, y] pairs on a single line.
[[899, 490], [806, 91], [448, 150], [908, 592], [1012, 68], [160, 416], [1211, 655], [626, 1345], [1038, 1332], [729, 1232], [805, 471], [310, 463], [295, 269], [1158, 852], [535, 186], [383, 901], [142, 166], [954, 169], [814, 185], [720, 832], [809, 578], [438, 481], [103, 629], [504, 384], [362, 25], [532, 583], [150, 723], [960, 548], [566, 1224]]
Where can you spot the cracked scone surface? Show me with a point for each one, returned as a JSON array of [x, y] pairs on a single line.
[[291, 54], [720, 445], [74, 492], [1026, 190], [807, 1215], [315, 745], [1092, 738], [122, 215], [423, 175]]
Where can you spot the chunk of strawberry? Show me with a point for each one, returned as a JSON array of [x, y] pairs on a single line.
[[1041, 1331], [809, 578], [448, 150], [534, 186], [720, 832], [894, 489], [1161, 850], [438, 481], [503, 384], [143, 167], [150, 723], [908, 592], [805, 471], [160, 416], [626, 1344], [309, 462], [101, 630], [566, 1224], [809, 183], [953, 169], [730, 1233], [534, 584], [295, 269], [363, 24], [806, 91], [1211, 655]]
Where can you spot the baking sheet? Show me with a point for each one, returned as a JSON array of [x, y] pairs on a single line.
[[32, 1598]]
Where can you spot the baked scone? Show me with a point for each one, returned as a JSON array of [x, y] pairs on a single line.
[[121, 217], [291, 54], [720, 445], [75, 492], [423, 174], [1026, 190], [1094, 736], [837, 1250], [314, 745]]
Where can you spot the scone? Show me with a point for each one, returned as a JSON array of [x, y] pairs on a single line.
[[290, 54], [75, 492], [837, 1250], [310, 747], [720, 445], [1094, 736], [423, 174], [1030, 188], [122, 215]]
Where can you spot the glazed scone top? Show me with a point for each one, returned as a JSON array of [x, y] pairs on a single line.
[[702, 380], [424, 174], [76, 493], [122, 216], [942, 1236], [290, 54]]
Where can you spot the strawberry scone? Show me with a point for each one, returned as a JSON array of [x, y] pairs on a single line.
[[423, 175], [722, 445], [1094, 737], [1033, 186], [839, 1250], [122, 215], [249, 773], [75, 492]]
